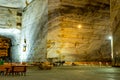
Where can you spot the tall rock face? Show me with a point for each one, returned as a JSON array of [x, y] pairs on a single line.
[[35, 17], [78, 30], [115, 20], [70, 30], [53, 39], [52, 29]]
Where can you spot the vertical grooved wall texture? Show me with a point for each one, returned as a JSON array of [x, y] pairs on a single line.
[[35, 19]]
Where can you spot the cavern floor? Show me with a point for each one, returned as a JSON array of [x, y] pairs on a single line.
[[69, 73]]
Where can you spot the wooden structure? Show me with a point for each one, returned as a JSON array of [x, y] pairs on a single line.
[[13, 69], [4, 46], [16, 70]]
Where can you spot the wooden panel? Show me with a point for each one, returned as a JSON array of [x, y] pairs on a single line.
[[3, 53], [4, 45]]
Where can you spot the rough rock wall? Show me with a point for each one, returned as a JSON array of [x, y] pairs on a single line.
[[115, 20], [11, 20], [53, 40], [35, 17], [66, 41]]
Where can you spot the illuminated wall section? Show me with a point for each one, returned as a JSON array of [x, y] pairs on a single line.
[[34, 31], [72, 36], [62, 38]]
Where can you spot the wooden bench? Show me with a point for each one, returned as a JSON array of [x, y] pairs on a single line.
[[18, 70]]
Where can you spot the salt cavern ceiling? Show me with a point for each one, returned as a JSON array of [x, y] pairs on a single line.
[[64, 20]]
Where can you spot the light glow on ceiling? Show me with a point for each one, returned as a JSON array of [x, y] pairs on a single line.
[[79, 26], [110, 37]]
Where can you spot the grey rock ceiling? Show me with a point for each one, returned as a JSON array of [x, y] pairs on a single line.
[[14, 3], [84, 11]]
